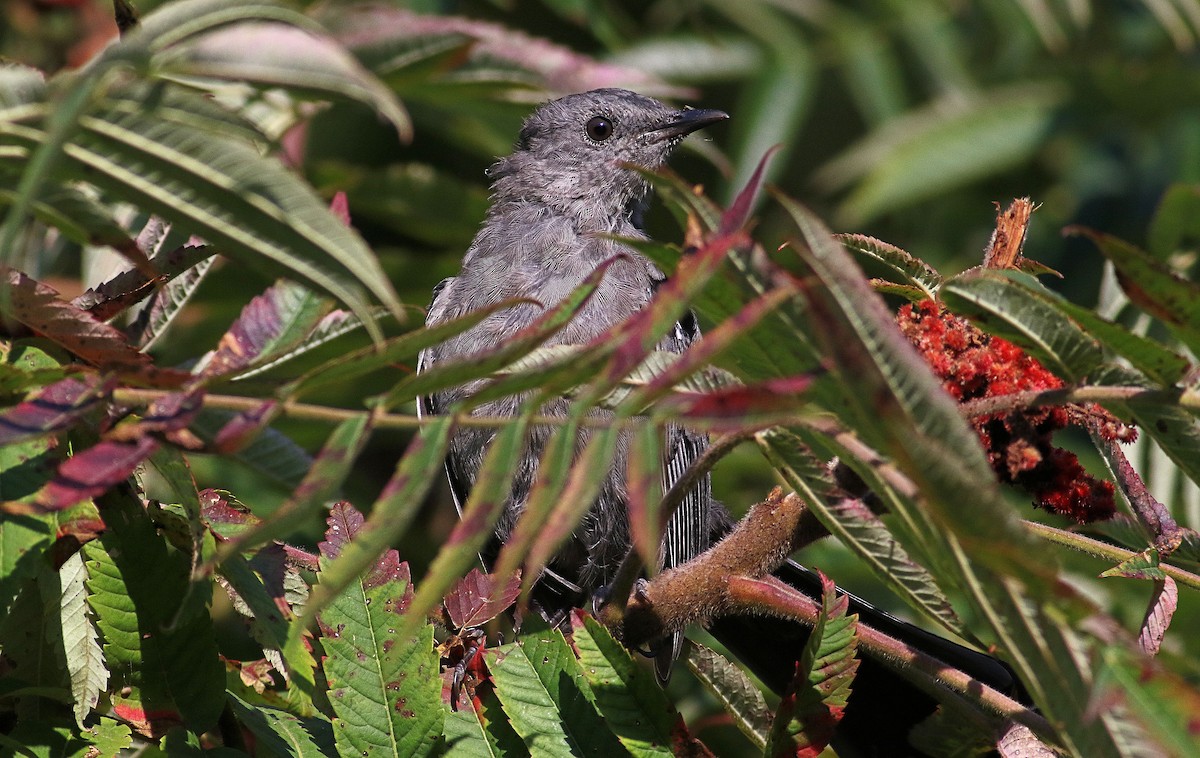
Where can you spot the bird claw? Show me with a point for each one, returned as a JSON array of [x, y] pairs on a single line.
[[473, 640]]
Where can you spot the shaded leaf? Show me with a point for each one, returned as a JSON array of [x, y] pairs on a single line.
[[739, 696], [283, 733], [157, 630], [631, 701]]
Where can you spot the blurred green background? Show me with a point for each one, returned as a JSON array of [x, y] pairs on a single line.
[[902, 119]]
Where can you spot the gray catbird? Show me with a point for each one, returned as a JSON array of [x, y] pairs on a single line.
[[555, 201]]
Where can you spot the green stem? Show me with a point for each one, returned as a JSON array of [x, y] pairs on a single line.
[[1104, 551]]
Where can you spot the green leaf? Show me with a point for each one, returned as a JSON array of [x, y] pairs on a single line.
[[157, 629], [398, 504], [1173, 428], [30, 637], [739, 696], [948, 144], [893, 401], [546, 696], [1007, 305], [913, 270], [223, 190], [1164, 704], [1154, 287], [468, 737], [396, 350], [277, 631], [816, 699], [285, 734], [1176, 223], [631, 701], [859, 529], [275, 55], [479, 364], [84, 657], [384, 683], [24, 468]]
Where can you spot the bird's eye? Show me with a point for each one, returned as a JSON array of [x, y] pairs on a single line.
[[599, 128]]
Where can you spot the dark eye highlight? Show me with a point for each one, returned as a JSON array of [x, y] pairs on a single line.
[[599, 128]]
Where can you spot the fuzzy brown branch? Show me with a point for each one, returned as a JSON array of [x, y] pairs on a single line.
[[698, 590]]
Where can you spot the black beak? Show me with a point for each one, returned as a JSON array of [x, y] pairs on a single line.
[[686, 121]]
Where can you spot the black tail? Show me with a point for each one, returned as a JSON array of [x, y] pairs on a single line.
[[883, 706]]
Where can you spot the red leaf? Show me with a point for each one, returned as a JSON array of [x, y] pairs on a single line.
[[93, 472], [734, 219], [1162, 607], [771, 396], [478, 598], [341, 207], [243, 428], [55, 408], [38, 307]]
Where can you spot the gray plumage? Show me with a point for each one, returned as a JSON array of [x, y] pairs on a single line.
[[563, 188]]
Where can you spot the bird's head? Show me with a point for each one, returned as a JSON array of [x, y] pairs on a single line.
[[572, 152]]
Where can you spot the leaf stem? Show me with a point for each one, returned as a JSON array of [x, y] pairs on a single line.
[[1104, 551]]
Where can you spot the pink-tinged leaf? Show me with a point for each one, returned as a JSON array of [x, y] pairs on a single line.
[[340, 207], [272, 322], [643, 331], [56, 407], [343, 523], [259, 328], [704, 352], [643, 484], [38, 307], [1162, 607], [478, 598], [816, 700], [483, 509], [90, 473], [383, 682], [493, 47], [739, 403], [582, 488], [734, 219], [243, 428]]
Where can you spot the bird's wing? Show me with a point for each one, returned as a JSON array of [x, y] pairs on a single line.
[[428, 405], [688, 532]]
